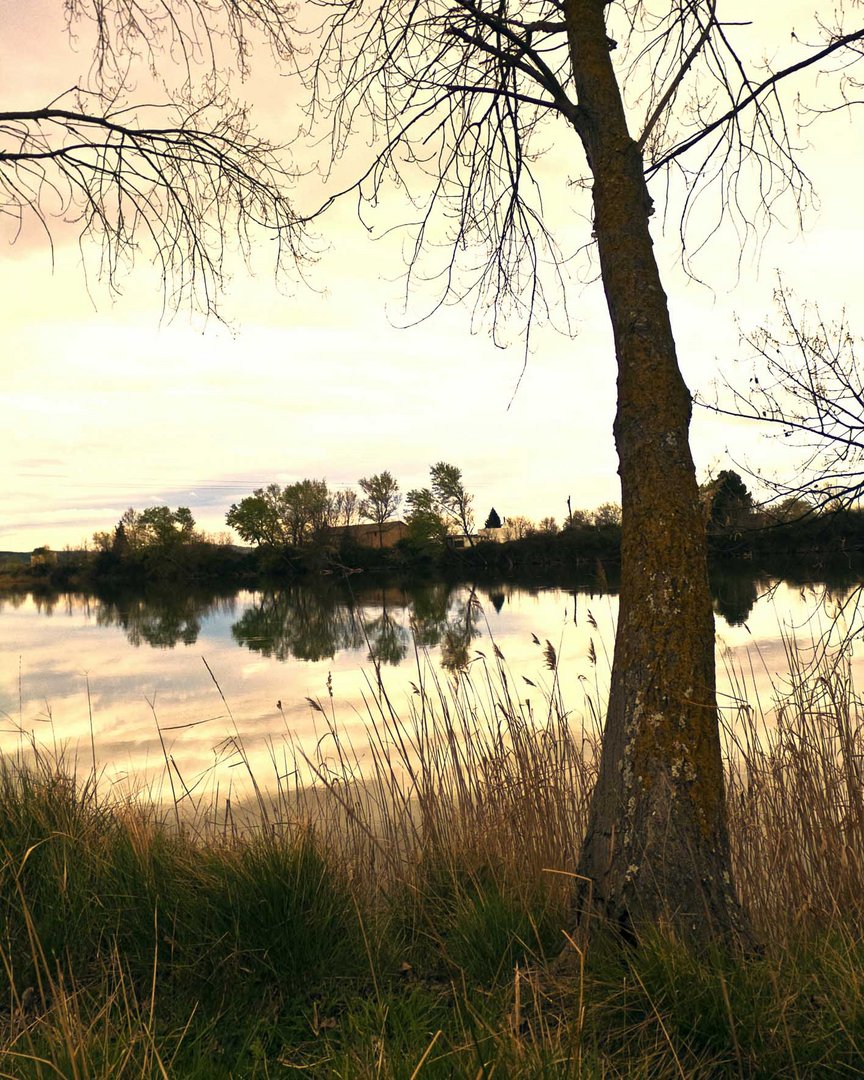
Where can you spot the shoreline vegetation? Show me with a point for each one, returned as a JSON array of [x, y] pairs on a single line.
[[305, 529], [827, 543], [411, 915]]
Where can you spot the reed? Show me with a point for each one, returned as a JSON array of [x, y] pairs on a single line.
[[397, 913]]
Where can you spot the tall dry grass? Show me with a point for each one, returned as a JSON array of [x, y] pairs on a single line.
[[473, 774], [467, 774], [795, 791], [347, 925]]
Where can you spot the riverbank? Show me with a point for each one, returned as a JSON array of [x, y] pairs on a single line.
[[823, 545], [407, 923]]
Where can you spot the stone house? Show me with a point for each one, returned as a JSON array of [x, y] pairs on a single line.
[[370, 534]]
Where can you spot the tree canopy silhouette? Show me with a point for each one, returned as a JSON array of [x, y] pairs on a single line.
[[381, 499], [493, 521]]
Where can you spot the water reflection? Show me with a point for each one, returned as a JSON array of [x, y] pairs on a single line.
[[737, 589], [314, 623], [160, 623], [461, 629], [160, 619], [308, 621], [76, 669], [301, 622], [735, 593]]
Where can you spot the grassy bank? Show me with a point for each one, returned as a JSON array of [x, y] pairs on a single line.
[[405, 915]]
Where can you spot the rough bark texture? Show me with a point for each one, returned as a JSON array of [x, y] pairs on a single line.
[[657, 846]]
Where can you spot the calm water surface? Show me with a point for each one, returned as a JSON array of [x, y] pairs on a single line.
[[92, 674]]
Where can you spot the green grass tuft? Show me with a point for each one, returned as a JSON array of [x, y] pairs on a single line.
[[405, 921]]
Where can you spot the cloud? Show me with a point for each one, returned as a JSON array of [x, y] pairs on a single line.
[[36, 463]]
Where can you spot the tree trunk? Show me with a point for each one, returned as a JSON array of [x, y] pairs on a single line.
[[657, 847]]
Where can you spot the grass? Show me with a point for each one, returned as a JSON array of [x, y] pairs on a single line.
[[406, 919]]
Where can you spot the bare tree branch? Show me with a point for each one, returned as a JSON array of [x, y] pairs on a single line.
[[451, 99], [188, 33], [413, 81], [181, 182], [752, 97], [807, 385], [673, 86]]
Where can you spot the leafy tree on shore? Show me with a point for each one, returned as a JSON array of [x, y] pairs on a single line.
[[426, 526], [165, 528], [42, 559], [452, 496], [119, 540], [517, 527], [578, 519], [730, 504], [307, 510], [792, 508], [344, 506], [493, 521], [381, 499], [155, 527], [277, 516], [608, 513], [257, 518], [103, 539]]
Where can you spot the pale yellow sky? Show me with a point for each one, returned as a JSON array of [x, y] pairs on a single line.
[[106, 408]]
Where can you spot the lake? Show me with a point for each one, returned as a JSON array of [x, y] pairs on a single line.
[[197, 678]]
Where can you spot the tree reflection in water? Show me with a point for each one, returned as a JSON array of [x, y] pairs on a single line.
[[462, 628], [161, 619], [430, 606], [735, 593], [387, 638], [314, 623], [301, 621]]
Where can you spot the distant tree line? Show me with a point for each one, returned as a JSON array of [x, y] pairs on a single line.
[[793, 524], [157, 544], [157, 527], [305, 527], [308, 512]]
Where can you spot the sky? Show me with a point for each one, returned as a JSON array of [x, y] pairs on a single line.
[[107, 404]]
